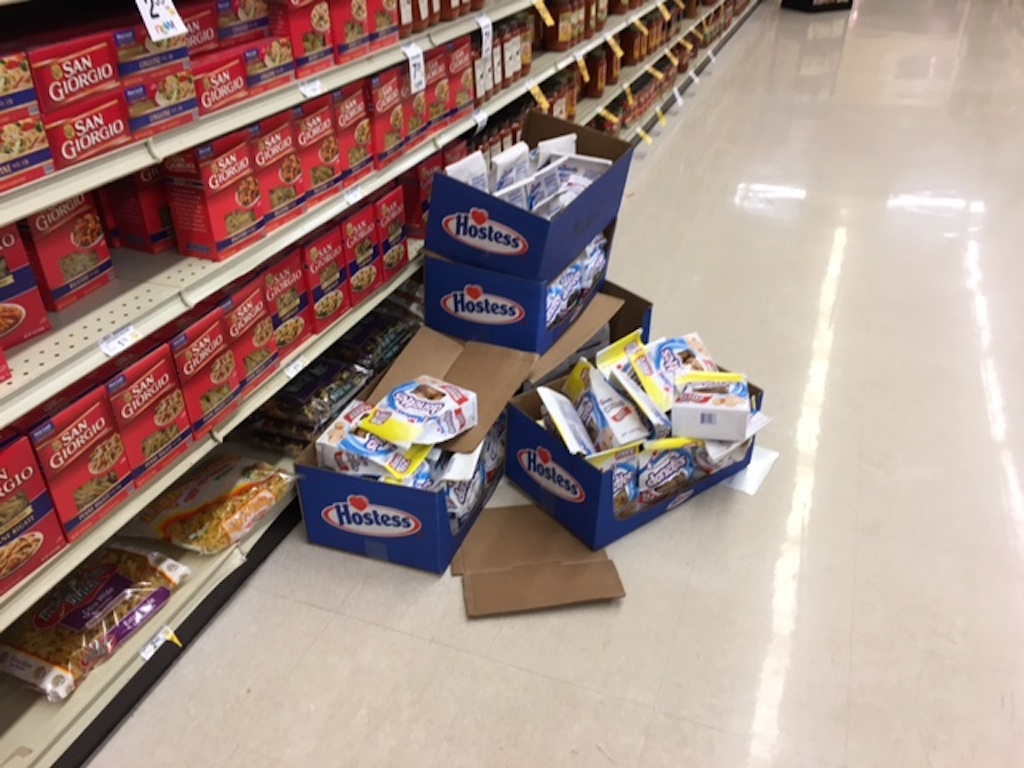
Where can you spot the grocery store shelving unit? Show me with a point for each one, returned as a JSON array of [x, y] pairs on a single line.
[[151, 291]]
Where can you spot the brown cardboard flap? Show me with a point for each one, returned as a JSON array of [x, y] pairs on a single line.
[[429, 353], [601, 310], [589, 141], [632, 314], [520, 559]]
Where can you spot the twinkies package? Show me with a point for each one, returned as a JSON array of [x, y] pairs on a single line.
[[610, 419], [425, 411]]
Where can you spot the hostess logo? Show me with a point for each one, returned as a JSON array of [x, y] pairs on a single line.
[[472, 304], [357, 515], [539, 465], [475, 228]]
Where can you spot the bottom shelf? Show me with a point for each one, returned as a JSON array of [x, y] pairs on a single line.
[[39, 733]]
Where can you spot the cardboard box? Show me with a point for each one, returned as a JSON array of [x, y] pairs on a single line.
[[33, 159], [22, 314], [17, 91], [269, 63], [350, 30], [69, 70], [405, 525], [87, 128], [201, 20], [326, 277], [251, 332], [161, 99], [137, 53], [388, 119], [83, 457], [309, 29], [473, 303], [472, 227], [241, 20], [278, 169], [288, 300], [389, 211], [318, 146], [143, 214], [355, 133], [149, 406], [221, 79], [362, 253], [68, 251]]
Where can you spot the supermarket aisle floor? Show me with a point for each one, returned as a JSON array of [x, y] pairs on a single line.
[[834, 211]]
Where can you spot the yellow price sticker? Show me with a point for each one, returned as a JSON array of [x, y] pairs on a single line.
[[614, 45], [539, 97], [661, 116], [654, 73], [545, 14], [641, 26], [582, 64], [629, 94], [688, 44], [664, 12], [680, 4], [672, 57], [608, 116], [699, 35], [644, 135]]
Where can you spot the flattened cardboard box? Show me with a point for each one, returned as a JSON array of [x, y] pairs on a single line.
[[520, 559], [395, 523]]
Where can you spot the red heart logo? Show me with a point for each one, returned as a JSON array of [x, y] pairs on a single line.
[[474, 292], [359, 503], [544, 454], [479, 216]]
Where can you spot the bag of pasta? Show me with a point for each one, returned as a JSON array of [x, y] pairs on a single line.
[[87, 617], [214, 505]]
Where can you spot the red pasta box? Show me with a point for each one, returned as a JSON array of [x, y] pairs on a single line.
[[326, 277], [389, 210], [207, 371], [309, 28], [350, 29], [30, 532], [83, 458], [355, 134], [269, 63], [149, 407], [221, 79], [288, 299], [73, 69], [241, 20], [24, 151], [87, 128], [251, 331], [214, 197], [415, 105], [318, 146], [454, 152], [278, 169], [5, 369], [201, 20], [161, 99], [390, 128], [22, 314], [461, 80], [383, 23], [142, 212], [362, 253], [101, 199], [17, 91], [68, 251], [440, 101], [137, 52], [417, 185]]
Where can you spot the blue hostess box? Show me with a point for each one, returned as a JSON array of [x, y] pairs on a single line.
[[403, 525], [473, 227], [576, 493]]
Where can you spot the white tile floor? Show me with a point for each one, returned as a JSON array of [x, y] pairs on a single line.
[[835, 210]]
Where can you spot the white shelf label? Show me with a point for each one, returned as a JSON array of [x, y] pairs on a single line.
[[295, 367], [679, 97], [311, 88], [355, 195], [480, 118], [711, 56], [166, 634], [693, 76], [486, 33], [417, 69], [162, 19], [118, 341]]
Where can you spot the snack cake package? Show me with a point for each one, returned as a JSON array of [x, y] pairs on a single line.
[[711, 406], [609, 418], [424, 411]]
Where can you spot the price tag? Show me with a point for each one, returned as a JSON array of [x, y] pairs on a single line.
[[664, 12], [614, 45], [711, 55], [582, 64], [486, 33], [644, 135], [162, 19], [641, 26], [354, 196], [700, 36], [680, 5], [672, 57], [166, 634], [480, 118], [294, 368], [417, 69], [661, 117], [538, 95], [693, 76], [629, 94], [679, 97], [656, 74], [311, 89], [608, 116], [117, 342], [545, 14], [687, 43]]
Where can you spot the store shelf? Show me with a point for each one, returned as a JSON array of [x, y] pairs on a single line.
[[36, 732], [22, 597]]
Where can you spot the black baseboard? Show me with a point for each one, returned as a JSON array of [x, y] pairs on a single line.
[[818, 6]]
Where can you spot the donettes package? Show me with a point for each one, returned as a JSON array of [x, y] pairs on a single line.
[[68, 250], [87, 128], [288, 300], [326, 277], [69, 70], [22, 314], [362, 253], [140, 208]]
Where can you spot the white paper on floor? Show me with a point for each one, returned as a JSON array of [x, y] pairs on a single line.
[[750, 479]]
